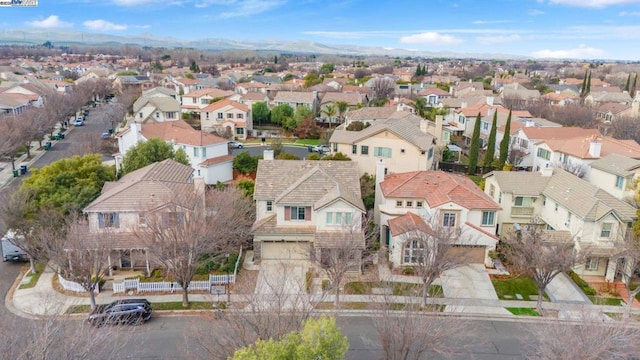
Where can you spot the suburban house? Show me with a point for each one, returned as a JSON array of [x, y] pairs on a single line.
[[402, 140], [466, 117], [136, 83], [156, 108], [561, 201], [434, 95], [353, 101], [17, 98], [208, 154], [122, 208], [425, 200], [227, 114], [251, 98], [197, 100], [369, 115], [307, 209], [574, 154], [615, 174], [247, 87], [297, 98]]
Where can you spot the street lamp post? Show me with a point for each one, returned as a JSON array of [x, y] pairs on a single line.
[[227, 282]]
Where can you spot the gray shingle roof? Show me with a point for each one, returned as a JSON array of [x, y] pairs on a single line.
[[520, 183], [403, 124], [616, 164], [308, 182], [138, 190]]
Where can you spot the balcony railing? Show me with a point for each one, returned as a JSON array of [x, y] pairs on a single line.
[[522, 211]]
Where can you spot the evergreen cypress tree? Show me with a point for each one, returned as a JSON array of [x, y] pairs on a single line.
[[589, 84], [474, 148], [491, 144], [504, 144], [583, 90], [628, 83]]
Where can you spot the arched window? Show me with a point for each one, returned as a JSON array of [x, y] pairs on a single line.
[[413, 252]]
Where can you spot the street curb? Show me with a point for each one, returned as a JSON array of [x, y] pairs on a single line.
[[8, 300]]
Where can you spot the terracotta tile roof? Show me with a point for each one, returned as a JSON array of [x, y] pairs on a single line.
[[214, 93], [254, 96], [226, 102], [408, 222], [187, 81], [180, 132], [146, 188], [557, 133], [579, 146], [217, 160], [437, 188]]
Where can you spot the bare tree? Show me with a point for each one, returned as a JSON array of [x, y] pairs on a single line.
[[269, 312], [383, 88], [625, 128], [61, 107], [190, 226], [434, 249], [77, 254], [540, 254], [10, 139], [408, 331], [59, 337], [516, 156], [592, 337], [628, 242]]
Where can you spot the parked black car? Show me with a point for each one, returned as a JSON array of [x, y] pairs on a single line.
[[125, 311]]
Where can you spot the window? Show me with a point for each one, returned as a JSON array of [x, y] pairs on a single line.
[[108, 220], [229, 115], [500, 198], [492, 190], [171, 115], [157, 115], [419, 204], [488, 218], [196, 151], [592, 264], [449, 220], [605, 232], [409, 203], [297, 213], [568, 222], [207, 115], [172, 219], [382, 152], [240, 131], [204, 152], [619, 182], [140, 115], [335, 147], [339, 218], [142, 220], [239, 116], [364, 150], [413, 252], [329, 218], [523, 201], [485, 126], [544, 200], [269, 206], [398, 203], [220, 116], [544, 153], [556, 207], [430, 154], [354, 149]]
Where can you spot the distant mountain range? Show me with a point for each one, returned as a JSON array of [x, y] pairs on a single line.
[[68, 37]]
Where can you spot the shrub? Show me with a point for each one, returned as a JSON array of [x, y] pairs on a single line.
[[326, 284], [588, 290], [408, 270], [309, 280]]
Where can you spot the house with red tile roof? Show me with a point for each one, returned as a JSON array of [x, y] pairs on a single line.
[[229, 115], [434, 201], [208, 154], [197, 100]]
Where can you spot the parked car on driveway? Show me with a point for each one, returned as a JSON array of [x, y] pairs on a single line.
[[125, 311], [78, 122], [105, 136], [236, 144]]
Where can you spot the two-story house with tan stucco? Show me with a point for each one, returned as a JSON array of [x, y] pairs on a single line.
[[227, 114]]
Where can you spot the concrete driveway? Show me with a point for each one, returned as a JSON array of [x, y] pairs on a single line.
[[470, 282], [283, 282]]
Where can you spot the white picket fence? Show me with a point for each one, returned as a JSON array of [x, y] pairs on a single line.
[[73, 286], [167, 286]]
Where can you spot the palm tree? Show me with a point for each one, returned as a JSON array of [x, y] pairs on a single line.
[[420, 106], [330, 111], [343, 106], [432, 112]]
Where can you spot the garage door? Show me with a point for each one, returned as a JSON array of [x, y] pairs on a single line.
[[285, 251], [470, 254]]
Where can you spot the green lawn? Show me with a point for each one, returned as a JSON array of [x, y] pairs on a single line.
[[523, 311], [507, 289], [601, 300], [399, 289], [33, 278], [307, 142]]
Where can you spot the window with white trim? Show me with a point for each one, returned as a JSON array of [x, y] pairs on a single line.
[[488, 218], [413, 252], [544, 153], [108, 220], [382, 152], [619, 182], [606, 230], [269, 206], [297, 213], [418, 204], [409, 203], [449, 220], [339, 218], [592, 264]]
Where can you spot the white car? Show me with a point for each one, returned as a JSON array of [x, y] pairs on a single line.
[[78, 122], [321, 149]]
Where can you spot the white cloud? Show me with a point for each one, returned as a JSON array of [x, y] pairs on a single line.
[[629, 13], [207, 3], [593, 3], [243, 8], [535, 12], [431, 38], [135, 2], [104, 25], [499, 39], [51, 22], [581, 52]]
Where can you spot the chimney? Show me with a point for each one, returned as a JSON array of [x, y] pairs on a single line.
[[529, 123], [546, 170], [595, 147], [489, 112], [267, 154], [424, 126], [490, 100], [438, 130], [463, 105], [380, 172]]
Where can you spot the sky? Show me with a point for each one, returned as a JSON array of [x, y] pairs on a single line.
[[582, 29]]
